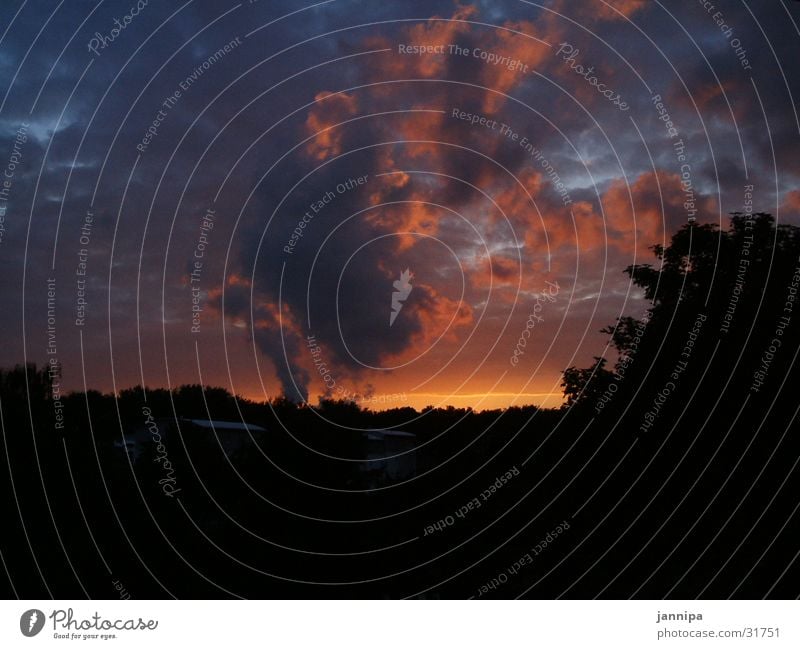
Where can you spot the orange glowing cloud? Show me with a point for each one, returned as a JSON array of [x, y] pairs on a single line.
[[267, 317], [439, 316], [407, 219], [708, 96], [570, 232], [633, 213], [516, 204], [498, 58], [389, 183], [517, 45], [644, 212], [791, 202], [235, 279], [600, 9], [331, 109], [634, 216], [436, 32], [427, 129]]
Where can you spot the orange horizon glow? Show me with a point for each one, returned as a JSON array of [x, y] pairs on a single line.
[[479, 402]]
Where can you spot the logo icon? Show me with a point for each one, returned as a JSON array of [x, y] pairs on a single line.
[[31, 622], [400, 294]]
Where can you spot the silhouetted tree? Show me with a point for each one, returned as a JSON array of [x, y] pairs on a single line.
[[585, 386]]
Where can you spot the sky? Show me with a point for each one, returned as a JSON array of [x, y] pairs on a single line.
[[230, 193]]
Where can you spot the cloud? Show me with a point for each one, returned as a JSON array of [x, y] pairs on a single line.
[[330, 110], [599, 10], [791, 203], [276, 331], [402, 133]]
